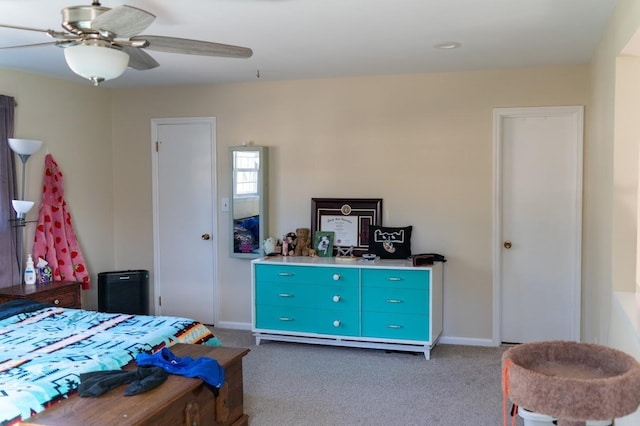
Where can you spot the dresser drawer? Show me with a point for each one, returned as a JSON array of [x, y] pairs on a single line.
[[341, 297], [339, 323], [62, 299], [285, 318], [65, 294], [306, 274], [398, 300], [390, 278], [285, 294], [395, 326]]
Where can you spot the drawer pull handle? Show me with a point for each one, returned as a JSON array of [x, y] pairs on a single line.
[[394, 279], [336, 298], [285, 319], [285, 295], [393, 301], [336, 277], [56, 302], [285, 274], [336, 323], [395, 326]]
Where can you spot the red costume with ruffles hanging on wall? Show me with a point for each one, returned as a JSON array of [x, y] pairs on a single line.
[[55, 240]]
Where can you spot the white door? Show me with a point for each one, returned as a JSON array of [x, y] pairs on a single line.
[[538, 211], [184, 217]]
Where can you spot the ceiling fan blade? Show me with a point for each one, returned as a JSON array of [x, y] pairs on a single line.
[[49, 43], [124, 21], [51, 33], [193, 47], [139, 59], [17, 27]]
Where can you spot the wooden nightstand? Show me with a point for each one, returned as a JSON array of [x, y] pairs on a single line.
[[65, 294]]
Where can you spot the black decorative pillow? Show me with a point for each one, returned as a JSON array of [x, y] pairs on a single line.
[[390, 242]]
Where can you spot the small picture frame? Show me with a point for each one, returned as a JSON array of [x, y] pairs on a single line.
[[323, 243]]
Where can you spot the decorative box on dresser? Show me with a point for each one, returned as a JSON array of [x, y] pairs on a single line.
[[383, 304], [65, 294]]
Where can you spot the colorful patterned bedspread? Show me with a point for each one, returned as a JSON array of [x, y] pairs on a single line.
[[43, 350]]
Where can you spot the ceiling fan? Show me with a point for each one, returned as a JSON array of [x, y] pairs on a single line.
[[99, 42]]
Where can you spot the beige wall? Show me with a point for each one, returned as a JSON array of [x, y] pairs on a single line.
[[74, 122], [612, 189], [611, 168], [625, 171], [422, 143]]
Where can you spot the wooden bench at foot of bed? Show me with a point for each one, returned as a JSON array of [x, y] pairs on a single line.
[[178, 401]]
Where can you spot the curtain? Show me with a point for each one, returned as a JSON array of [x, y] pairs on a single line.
[[9, 269]]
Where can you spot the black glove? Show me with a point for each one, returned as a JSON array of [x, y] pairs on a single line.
[[147, 378]]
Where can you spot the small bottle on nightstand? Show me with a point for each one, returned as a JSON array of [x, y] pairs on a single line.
[[29, 272]]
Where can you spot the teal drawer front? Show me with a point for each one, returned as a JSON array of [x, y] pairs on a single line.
[[395, 300], [343, 297], [395, 326], [309, 321], [284, 273], [285, 294], [338, 323], [404, 278], [306, 274], [285, 318]]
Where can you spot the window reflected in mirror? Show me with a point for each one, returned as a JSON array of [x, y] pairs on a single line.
[[248, 165]]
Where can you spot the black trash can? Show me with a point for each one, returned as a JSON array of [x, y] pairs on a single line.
[[124, 292]]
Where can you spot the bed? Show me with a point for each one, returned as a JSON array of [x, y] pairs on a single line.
[[44, 348]]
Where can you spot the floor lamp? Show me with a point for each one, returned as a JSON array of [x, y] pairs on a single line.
[[24, 148]]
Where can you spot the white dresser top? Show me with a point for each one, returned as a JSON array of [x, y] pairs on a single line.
[[357, 262]]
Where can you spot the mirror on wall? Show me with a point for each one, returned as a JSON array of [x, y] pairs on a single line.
[[248, 198]]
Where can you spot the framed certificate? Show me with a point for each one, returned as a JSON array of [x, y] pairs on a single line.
[[348, 219]]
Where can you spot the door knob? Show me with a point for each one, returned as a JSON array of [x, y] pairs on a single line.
[[507, 244], [206, 236]]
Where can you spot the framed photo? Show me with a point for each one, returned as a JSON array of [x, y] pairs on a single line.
[[348, 219], [323, 243]]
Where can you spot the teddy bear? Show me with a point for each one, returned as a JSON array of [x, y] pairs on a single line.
[[303, 241]]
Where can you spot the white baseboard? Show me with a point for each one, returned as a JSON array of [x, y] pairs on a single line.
[[465, 341], [234, 325]]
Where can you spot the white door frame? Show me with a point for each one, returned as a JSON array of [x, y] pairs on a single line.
[[155, 122], [499, 114]]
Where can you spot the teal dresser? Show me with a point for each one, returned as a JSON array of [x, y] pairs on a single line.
[[384, 304]]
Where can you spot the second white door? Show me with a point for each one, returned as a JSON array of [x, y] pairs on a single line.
[[538, 227], [184, 217]]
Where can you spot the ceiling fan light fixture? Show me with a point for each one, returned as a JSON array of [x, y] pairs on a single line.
[[96, 63]]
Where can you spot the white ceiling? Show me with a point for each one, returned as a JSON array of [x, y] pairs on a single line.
[[303, 39]]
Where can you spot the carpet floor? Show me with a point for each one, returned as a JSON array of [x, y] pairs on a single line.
[[289, 384]]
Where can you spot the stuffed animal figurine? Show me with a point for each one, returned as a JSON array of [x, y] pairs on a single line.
[[269, 246], [288, 244], [303, 241]]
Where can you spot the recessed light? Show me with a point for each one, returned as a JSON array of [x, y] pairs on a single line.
[[447, 45]]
